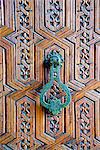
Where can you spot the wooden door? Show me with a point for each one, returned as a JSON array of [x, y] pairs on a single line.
[[29, 30]]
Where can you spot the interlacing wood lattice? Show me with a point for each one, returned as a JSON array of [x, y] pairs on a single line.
[[29, 31]]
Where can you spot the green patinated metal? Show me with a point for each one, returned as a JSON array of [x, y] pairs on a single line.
[[53, 104]]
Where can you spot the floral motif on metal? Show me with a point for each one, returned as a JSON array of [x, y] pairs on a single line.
[[54, 104]]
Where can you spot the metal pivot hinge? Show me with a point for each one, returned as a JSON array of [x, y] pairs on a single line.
[[60, 98]]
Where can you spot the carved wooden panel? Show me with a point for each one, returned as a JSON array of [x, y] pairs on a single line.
[[29, 31]]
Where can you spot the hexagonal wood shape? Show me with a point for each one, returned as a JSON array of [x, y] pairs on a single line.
[[29, 31]]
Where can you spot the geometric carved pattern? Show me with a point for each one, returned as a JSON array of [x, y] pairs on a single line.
[[54, 11], [56, 17], [25, 125], [29, 31], [85, 123], [84, 39], [86, 22], [55, 125], [87, 126], [23, 37]]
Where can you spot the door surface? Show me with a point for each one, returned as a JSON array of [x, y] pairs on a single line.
[[29, 31]]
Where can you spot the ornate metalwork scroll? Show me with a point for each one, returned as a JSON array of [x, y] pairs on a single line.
[[58, 94]]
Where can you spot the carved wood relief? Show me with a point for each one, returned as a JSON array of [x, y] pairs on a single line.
[[29, 31]]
